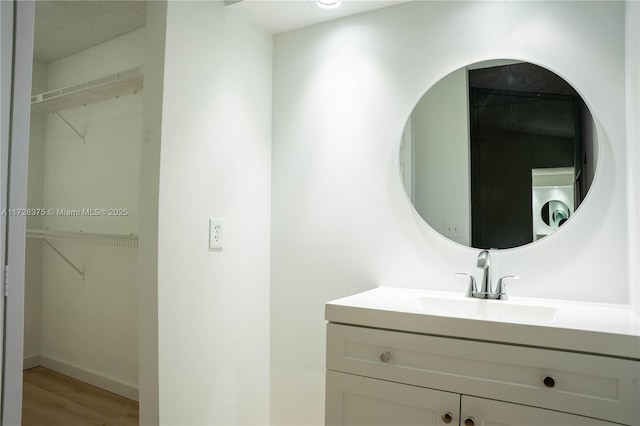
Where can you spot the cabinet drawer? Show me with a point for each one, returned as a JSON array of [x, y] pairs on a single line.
[[589, 385]]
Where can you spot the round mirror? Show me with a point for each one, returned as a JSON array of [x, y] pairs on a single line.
[[498, 154]]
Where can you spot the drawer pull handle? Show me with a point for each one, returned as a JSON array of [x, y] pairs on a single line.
[[549, 381], [385, 356], [469, 421], [447, 417]]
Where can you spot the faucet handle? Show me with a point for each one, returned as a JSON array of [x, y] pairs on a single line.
[[501, 288], [472, 283]]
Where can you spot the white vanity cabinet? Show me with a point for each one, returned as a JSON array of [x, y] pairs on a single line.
[[356, 400], [487, 412], [388, 377]]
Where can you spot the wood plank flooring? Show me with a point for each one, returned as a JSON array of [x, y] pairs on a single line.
[[53, 399]]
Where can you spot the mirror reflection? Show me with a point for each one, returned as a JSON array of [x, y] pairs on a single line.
[[555, 213], [498, 154]]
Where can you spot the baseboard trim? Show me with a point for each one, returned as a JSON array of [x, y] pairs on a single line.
[[31, 362], [95, 379]]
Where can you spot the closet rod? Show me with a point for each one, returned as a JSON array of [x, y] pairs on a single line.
[[64, 257]]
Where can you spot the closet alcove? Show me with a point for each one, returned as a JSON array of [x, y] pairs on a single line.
[[81, 266]]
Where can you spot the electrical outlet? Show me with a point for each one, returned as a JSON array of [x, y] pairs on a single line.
[[451, 229], [216, 233]]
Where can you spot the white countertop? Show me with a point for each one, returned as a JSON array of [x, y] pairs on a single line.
[[598, 328]]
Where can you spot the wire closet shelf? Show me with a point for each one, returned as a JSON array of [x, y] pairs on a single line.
[[114, 240], [110, 86]]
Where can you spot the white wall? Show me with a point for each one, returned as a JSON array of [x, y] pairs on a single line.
[[37, 131], [104, 172], [341, 223], [148, 241], [92, 325], [115, 55], [35, 199], [213, 306], [441, 146], [632, 55]]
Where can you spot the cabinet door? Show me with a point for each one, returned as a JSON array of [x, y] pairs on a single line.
[[586, 385], [487, 412], [356, 400]]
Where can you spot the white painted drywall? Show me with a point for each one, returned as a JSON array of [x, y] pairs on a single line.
[[148, 240], [341, 224], [112, 56], [441, 157], [406, 155], [104, 172], [92, 325], [35, 188], [213, 306], [37, 130], [32, 302], [632, 56]]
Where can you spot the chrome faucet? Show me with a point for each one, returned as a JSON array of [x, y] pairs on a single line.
[[484, 262], [486, 290]]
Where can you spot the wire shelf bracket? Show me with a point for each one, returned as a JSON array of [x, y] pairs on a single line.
[[81, 135], [59, 253], [113, 240]]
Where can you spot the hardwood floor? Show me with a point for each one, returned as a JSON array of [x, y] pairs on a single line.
[[53, 399]]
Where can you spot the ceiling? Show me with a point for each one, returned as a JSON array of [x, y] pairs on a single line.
[[276, 16], [63, 28]]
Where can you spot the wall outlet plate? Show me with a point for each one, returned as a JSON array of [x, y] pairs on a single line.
[[216, 233], [451, 229]]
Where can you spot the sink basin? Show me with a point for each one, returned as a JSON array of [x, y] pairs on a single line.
[[608, 329], [501, 310]]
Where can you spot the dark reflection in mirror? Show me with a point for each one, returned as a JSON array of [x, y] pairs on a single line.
[[489, 145], [555, 213]]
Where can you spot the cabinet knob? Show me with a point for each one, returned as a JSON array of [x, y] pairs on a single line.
[[447, 417], [469, 421], [549, 381], [385, 356]]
